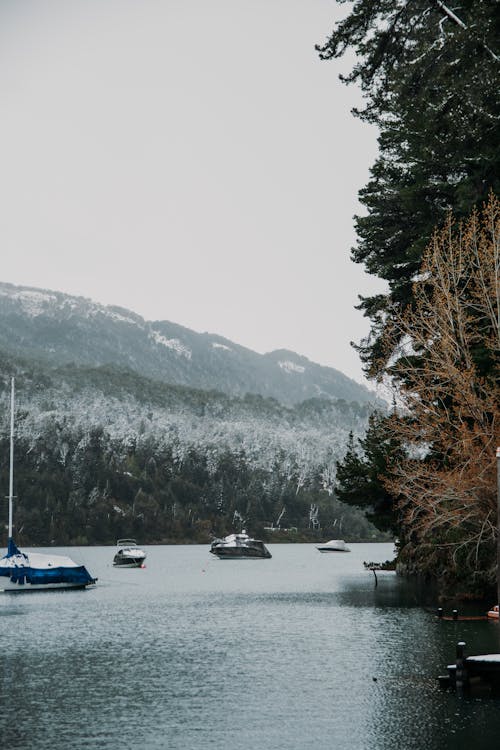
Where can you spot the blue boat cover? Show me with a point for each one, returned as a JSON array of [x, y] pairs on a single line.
[[23, 573], [12, 549]]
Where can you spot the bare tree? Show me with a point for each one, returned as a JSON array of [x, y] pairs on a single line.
[[447, 375]]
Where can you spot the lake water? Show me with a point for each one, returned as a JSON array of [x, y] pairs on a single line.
[[300, 651]]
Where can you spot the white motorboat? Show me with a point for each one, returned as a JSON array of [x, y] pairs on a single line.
[[239, 546], [34, 571], [128, 554], [334, 545]]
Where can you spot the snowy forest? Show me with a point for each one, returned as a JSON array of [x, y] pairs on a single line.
[[102, 453]]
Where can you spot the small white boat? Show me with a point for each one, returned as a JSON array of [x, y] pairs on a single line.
[[334, 545], [239, 546], [128, 554], [34, 571]]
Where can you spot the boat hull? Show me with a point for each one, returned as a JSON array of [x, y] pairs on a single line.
[[331, 549], [334, 545], [8, 587], [229, 553], [23, 578], [133, 562]]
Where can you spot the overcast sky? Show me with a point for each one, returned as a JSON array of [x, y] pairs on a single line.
[[192, 161]]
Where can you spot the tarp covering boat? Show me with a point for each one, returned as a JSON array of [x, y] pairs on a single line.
[[37, 569]]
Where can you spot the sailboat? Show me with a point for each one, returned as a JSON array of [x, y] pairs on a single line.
[[34, 571]]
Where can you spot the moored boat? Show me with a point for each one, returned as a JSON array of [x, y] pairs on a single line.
[[239, 546], [128, 554], [334, 545], [34, 571]]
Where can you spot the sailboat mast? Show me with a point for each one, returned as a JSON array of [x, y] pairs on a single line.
[[11, 468]]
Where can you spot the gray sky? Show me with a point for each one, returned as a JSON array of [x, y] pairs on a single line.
[[192, 161]]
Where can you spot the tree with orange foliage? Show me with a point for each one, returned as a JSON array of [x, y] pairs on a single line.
[[446, 372]]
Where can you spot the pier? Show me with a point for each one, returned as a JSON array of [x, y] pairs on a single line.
[[473, 675], [456, 617]]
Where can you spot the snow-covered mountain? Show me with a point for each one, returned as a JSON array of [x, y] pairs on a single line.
[[128, 427], [59, 329], [103, 453]]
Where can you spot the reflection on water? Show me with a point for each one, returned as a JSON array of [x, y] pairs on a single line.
[[193, 652]]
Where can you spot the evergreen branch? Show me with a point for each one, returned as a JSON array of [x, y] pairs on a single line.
[[453, 17]]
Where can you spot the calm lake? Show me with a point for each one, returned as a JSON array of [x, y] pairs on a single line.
[[299, 651]]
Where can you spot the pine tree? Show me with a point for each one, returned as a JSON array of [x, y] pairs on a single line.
[[360, 474], [430, 78]]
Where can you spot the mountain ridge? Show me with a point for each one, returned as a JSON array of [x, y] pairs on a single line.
[[110, 453], [120, 432], [61, 329]]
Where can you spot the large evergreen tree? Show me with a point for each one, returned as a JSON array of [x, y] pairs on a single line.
[[430, 78]]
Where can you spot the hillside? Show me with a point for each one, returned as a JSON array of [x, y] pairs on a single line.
[[103, 453], [60, 329], [127, 427]]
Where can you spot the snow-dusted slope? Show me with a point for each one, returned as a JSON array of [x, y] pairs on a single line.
[[302, 439], [61, 329]]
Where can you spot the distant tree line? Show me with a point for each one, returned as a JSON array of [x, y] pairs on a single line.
[[77, 486]]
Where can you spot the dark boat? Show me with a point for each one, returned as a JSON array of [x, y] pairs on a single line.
[[239, 546]]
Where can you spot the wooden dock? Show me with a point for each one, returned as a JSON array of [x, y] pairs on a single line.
[[456, 617], [463, 618], [473, 675]]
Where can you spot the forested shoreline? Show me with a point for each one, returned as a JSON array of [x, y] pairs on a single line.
[[102, 453], [431, 230], [98, 489]]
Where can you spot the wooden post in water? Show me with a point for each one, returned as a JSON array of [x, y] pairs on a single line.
[[461, 673], [498, 525]]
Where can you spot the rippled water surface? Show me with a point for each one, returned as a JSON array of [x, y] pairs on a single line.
[[300, 651]]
